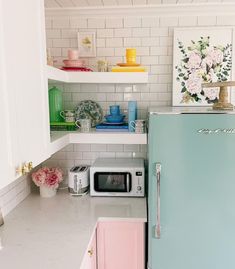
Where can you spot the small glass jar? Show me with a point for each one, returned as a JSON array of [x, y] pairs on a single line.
[[102, 66]]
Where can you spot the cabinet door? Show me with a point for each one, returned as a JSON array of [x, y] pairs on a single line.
[[120, 245], [25, 65], [5, 146], [90, 261]]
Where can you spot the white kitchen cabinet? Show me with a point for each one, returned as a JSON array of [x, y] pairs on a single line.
[[5, 151], [90, 258], [23, 46]]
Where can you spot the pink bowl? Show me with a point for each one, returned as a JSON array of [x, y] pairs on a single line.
[[73, 63]]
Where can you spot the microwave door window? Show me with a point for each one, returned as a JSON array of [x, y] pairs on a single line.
[[107, 182]]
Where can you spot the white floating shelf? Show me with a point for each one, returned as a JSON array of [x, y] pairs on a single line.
[[60, 139], [55, 74]]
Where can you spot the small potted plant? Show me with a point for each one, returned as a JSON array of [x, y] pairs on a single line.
[[47, 179]]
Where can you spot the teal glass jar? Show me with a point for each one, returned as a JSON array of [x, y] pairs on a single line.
[[55, 104]]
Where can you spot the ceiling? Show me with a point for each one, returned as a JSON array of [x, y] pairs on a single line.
[[92, 3]]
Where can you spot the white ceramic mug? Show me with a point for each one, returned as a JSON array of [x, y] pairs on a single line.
[[138, 125], [68, 115], [84, 125]]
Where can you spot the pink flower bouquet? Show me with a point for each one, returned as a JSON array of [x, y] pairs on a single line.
[[48, 177]]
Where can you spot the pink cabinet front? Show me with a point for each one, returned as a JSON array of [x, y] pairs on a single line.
[[121, 245], [90, 258]]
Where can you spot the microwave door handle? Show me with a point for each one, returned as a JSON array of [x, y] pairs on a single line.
[[158, 215], [128, 183]]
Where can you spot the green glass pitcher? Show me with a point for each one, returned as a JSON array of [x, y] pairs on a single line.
[[55, 104]]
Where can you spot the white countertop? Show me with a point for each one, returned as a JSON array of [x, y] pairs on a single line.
[[54, 233]]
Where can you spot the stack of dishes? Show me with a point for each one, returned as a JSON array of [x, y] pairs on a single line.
[[114, 121], [130, 65], [73, 63]]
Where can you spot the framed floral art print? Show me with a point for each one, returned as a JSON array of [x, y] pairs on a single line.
[[86, 44], [200, 55]]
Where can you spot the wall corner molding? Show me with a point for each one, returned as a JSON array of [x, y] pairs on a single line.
[[198, 9]]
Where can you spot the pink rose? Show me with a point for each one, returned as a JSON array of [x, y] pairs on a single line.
[[194, 82], [194, 61], [39, 177], [52, 180]]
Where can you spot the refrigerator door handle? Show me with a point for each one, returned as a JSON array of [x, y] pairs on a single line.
[[158, 220]]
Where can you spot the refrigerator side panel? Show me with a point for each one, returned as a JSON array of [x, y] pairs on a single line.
[[197, 191]]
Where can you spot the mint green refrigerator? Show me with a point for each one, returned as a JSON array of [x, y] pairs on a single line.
[[191, 194]]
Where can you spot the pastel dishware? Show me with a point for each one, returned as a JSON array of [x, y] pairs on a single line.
[[131, 56], [114, 110], [73, 54], [84, 125], [114, 118], [68, 115], [73, 63]]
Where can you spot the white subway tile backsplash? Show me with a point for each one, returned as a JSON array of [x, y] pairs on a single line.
[[114, 23], [100, 42], [132, 22], [14, 193], [61, 43], [140, 32], [123, 32], [150, 41], [105, 52], [102, 33], [96, 23], [78, 23], [61, 23], [150, 22], [68, 33], [206, 21], [159, 31], [98, 147], [114, 42], [53, 33], [168, 21], [132, 42], [225, 20], [188, 21], [158, 51], [115, 148]]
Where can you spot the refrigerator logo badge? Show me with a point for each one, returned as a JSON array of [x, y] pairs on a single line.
[[216, 131]]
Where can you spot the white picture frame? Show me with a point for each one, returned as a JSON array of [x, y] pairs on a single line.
[[87, 44], [200, 55]]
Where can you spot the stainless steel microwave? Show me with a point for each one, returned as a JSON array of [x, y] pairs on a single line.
[[117, 177]]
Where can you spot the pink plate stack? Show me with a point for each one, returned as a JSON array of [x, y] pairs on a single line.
[[73, 63]]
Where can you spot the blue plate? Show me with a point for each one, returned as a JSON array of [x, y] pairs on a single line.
[[114, 119]]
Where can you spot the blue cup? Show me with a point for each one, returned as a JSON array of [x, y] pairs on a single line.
[[114, 110]]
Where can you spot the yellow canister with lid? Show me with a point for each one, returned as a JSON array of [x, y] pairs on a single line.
[[131, 55]]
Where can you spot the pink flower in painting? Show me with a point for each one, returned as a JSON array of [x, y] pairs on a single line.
[[216, 55], [39, 177], [49, 177], [194, 60], [194, 82], [207, 62]]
